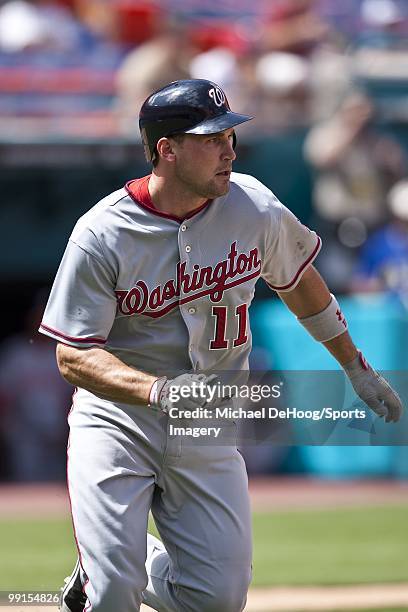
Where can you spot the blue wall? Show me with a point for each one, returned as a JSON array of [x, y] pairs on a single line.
[[379, 326]]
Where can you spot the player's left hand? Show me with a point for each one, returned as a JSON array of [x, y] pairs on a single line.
[[374, 390]]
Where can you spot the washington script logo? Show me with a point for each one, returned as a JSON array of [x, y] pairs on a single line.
[[212, 281]]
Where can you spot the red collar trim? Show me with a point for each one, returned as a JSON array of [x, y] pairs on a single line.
[[138, 189]]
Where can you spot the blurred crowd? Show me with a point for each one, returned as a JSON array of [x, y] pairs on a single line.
[[336, 71], [289, 62]]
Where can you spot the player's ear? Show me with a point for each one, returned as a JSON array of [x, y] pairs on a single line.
[[165, 149]]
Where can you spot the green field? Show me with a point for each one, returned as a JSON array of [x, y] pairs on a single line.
[[347, 546]]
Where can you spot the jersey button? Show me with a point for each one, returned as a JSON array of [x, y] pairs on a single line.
[[191, 310], [183, 228], [188, 249]]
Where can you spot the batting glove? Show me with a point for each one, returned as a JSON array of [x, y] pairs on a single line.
[[187, 391], [373, 389]]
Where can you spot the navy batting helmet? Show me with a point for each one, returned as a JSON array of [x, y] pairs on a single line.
[[192, 106]]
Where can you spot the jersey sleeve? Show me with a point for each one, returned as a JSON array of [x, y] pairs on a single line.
[[291, 251], [82, 303]]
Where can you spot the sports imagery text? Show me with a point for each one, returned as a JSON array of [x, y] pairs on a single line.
[[227, 403]]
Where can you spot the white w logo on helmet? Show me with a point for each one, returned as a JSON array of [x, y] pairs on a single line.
[[217, 95]]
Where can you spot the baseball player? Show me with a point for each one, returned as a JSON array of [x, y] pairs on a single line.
[[151, 296]]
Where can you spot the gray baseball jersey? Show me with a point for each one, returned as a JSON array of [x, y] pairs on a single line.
[[165, 295]]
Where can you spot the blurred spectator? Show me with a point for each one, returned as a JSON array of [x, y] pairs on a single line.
[[295, 27], [288, 39], [150, 66], [219, 65], [126, 22], [283, 82], [100, 17], [35, 403], [383, 22], [27, 25], [356, 163], [383, 261], [355, 166], [331, 71], [138, 21]]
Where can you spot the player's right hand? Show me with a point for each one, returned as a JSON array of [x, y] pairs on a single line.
[[187, 391]]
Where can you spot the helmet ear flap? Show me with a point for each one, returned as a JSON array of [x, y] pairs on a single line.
[[149, 153]]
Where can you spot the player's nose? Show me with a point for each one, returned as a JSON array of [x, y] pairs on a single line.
[[228, 150]]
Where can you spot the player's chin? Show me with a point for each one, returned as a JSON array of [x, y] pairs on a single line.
[[222, 183]]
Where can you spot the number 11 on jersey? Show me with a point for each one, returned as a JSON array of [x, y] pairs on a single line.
[[221, 314]]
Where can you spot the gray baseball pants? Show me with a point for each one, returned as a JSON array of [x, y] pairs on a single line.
[[122, 462]]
